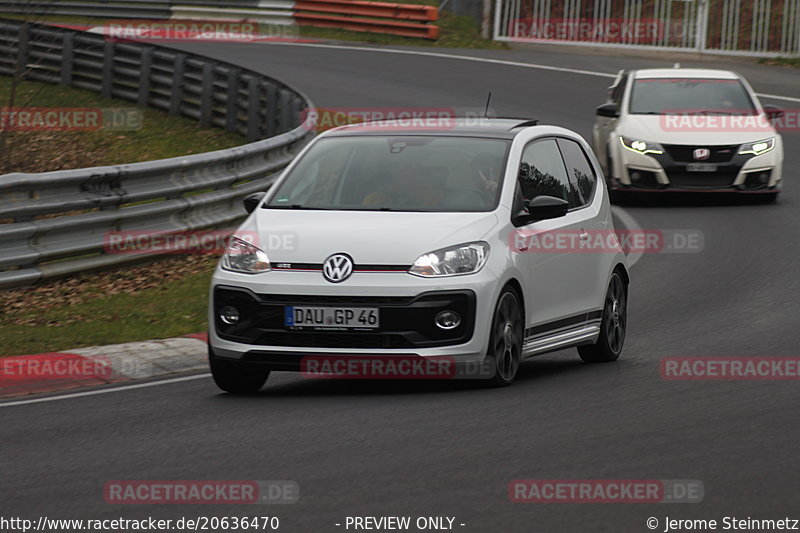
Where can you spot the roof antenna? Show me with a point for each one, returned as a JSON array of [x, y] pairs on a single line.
[[488, 101]]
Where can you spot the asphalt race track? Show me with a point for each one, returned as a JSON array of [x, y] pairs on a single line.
[[448, 449]]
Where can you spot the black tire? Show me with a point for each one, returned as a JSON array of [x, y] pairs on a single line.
[[505, 341], [613, 325], [237, 377]]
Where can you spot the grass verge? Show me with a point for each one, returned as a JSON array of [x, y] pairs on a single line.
[[781, 61], [160, 135], [158, 300]]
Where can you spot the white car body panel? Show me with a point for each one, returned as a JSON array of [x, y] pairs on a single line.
[[398, 238], [661, 129]]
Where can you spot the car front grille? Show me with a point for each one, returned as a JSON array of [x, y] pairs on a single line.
[[701, 179], [685, 154], [291, 299], [405, 321], [333, 339]]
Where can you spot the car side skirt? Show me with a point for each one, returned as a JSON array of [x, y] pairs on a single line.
[[572, 331]]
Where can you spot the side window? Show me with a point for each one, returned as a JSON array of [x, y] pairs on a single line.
[[542, 171], [581, 175]]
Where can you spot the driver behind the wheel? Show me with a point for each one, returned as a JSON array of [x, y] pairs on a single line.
[[405, 185]]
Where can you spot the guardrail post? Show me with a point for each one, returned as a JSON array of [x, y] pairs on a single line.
[[232, 100], [108, 68], [272, 109], [206, 94], [177, 84], [145, 68], [284, 103], [296, 110], [67, 56], [253, 111], [23, 51]]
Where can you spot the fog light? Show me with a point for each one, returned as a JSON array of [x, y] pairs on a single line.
[[763, 177], [229, 315], [447, 320], [635, 176]]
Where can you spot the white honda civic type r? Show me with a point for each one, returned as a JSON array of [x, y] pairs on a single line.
[[688, 130], [380, 241]]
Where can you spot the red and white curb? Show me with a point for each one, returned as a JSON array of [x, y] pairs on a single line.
[[100, 365]]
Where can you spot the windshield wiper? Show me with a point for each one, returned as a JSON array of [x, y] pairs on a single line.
[[295, 206], [401, 210]]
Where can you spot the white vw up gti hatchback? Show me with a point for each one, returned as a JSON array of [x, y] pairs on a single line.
[[467, 244]]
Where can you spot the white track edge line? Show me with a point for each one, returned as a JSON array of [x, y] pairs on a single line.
[[104, 391], [538, 66]]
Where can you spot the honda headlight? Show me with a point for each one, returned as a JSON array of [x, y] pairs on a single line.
[[241, 256], [640, 147], [758, 147], [462, 259]]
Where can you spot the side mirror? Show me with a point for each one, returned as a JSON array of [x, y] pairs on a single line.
[[773, 112], [608, 110], [545, 207], [251, 201], [540, 208]]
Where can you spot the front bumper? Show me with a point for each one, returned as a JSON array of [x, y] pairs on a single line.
[[407, 305], [670, 171]]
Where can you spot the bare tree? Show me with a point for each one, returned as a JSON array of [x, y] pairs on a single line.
[[18, 67]]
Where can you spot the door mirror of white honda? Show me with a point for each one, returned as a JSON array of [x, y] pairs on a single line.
[[251, 201], [773, 112], [546, 207], [609, 110]]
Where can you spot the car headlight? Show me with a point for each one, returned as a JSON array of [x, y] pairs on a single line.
[[462, 259], [758, 147], [241, 256], [640, 147]]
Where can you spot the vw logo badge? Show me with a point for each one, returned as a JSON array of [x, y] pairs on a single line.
[[702, 153], [337, 268]]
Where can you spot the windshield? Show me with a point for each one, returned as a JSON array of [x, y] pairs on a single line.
[[663, 96], [396, 173]]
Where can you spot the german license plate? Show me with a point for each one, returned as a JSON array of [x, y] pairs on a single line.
[[701, 167], [297, 317]]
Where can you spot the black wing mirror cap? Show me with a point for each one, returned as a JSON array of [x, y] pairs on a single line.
[[609, 110], [547, 207], [251, 201]]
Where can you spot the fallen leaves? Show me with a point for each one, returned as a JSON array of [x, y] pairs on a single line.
[[34, 306]]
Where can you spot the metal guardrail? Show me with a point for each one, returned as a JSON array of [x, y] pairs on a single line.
[[179, 194]]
